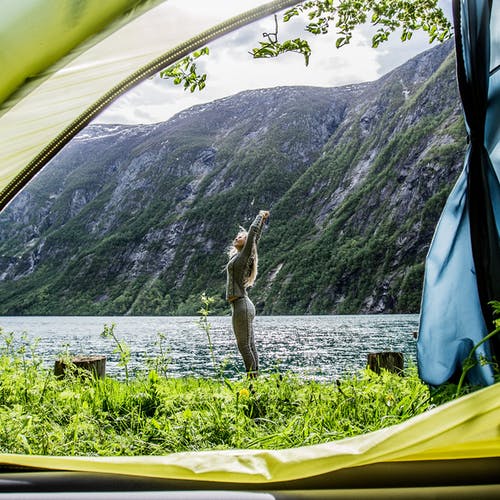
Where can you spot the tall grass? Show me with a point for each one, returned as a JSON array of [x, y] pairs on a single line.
[[154, 414]]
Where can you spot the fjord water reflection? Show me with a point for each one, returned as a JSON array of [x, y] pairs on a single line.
[[319, 347]]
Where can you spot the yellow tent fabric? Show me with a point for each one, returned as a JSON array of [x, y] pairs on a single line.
[[466, 428], [55, 104]]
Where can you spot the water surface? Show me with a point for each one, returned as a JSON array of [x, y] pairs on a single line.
[[319, 347]]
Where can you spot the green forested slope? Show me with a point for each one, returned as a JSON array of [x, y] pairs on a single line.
[[136, 220]]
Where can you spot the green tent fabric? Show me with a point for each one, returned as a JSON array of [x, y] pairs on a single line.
[[38, 34], [45, 101]]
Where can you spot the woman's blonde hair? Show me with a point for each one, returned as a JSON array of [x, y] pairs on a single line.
[[253, 261]]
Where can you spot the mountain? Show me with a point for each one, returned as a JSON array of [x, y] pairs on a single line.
[[137, 219]]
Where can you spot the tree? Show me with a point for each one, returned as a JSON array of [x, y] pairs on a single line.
[[386, 16], [345, 16]]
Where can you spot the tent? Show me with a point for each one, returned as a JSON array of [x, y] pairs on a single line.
[[53, 87], [463, 265]]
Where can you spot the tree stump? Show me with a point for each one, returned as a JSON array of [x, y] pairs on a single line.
[[390, 361], [93, 365]]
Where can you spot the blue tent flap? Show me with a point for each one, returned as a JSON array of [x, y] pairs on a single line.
[[462, 272]]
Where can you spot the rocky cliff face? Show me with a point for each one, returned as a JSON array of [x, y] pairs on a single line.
[[136, 219]]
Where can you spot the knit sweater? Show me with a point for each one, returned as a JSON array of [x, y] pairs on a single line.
[[238, 266]]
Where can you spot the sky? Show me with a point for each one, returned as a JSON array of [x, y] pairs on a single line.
[[231, 69]]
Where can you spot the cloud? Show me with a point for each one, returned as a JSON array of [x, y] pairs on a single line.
[[231, 69]]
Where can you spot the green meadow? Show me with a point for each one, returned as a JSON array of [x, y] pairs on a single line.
[[154, 414]]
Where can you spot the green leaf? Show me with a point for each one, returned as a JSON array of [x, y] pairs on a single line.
[[340, 41]]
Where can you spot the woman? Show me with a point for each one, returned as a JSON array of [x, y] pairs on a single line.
[[241, 274]]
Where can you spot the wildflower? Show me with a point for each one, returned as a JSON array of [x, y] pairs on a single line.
[[244, 393]]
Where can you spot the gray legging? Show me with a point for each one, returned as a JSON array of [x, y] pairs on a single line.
[[243, 312]]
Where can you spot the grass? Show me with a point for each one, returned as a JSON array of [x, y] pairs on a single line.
[[153, 414]]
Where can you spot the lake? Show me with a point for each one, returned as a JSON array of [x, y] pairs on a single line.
[[318, 347]]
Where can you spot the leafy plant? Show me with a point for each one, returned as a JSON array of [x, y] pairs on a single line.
[[121, 347], [273, 48], [205, 325], [345, 15], [185, 72], [471, 359], [161, 361]]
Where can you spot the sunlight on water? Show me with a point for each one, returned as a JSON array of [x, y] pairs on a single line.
[[319, 347]]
